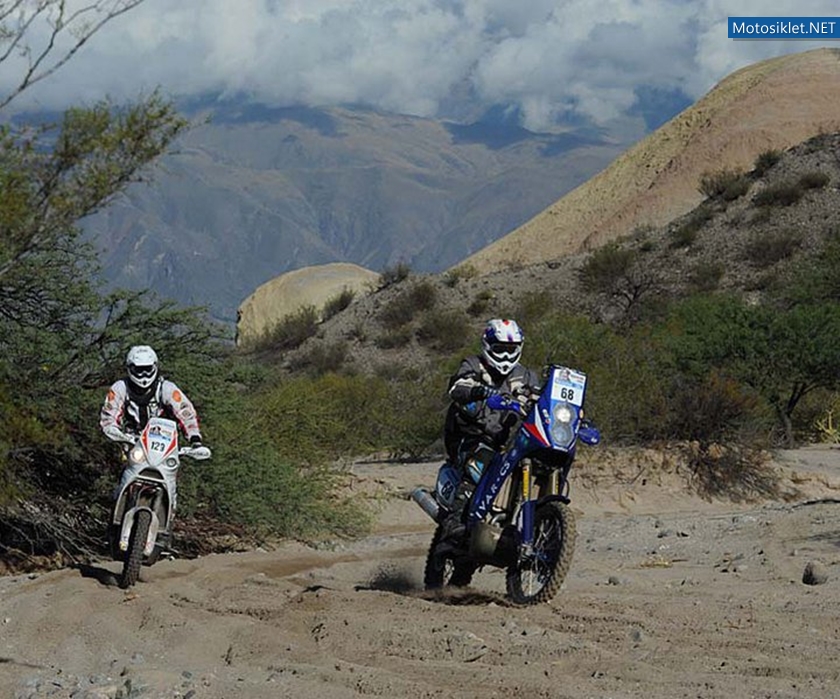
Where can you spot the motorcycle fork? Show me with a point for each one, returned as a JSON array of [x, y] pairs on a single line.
[[527, 541], [545, 487]]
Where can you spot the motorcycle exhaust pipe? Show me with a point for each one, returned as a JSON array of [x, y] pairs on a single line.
[[427, 502]]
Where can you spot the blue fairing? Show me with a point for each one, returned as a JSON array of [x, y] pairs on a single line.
[[552, 424]]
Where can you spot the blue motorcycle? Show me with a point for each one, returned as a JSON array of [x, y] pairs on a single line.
[[518, 516]]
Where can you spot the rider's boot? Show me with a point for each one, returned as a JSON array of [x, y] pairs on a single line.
[[454, 525]]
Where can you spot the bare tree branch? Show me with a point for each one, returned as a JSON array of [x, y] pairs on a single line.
[[17, 21]]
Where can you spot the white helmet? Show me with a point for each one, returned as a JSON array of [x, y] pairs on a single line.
[[142, 365], [502, 344]]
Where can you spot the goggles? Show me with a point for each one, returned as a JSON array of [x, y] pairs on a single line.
[[142, 372], [507, 350]]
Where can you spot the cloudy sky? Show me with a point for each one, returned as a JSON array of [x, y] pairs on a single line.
[[549, 60]]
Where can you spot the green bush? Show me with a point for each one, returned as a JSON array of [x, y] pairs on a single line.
[[766, 160], [458, 274], [291, 331], [724, 184], [338, 303], [766, 250], [781, 194], [601, 269], [395, 338], [686, 233], [322, 358], [272, 447], [402, 309], [814, 180], [444, 330], [394, 275], [481, 303], [706, 275]]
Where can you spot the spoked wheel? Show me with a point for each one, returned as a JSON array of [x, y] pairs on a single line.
[[136, 544], [538, 578], [443, 568]]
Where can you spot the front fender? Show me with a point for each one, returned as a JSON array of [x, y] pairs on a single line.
[[128, 524], [552, 498]]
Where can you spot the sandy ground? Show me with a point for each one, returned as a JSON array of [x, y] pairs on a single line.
[[669, 595]]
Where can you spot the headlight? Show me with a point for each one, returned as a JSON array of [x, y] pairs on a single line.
[[563, 413], [136, 453], [172, 462], [561, 426]]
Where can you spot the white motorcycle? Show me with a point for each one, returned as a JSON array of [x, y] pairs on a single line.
[[144, 510]]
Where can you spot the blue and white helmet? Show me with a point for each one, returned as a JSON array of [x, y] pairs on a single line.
[[502, 345]]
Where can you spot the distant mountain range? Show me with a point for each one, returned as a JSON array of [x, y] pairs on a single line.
[[257, 192]]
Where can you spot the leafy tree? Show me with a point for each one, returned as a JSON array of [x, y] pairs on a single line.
[[620, 275], [783, 354]]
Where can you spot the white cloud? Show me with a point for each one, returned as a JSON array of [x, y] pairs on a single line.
[[548, 57]]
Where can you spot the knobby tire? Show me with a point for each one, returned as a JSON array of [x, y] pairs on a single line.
[[554, 536], [443, 569], [136, 544]]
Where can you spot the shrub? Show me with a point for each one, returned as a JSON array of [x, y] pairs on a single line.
[[292, 330], [322, 358], [444, 330], [732, 471], [765, 161], [532, 307], [711, 409], [814, 180], [402, 309], [604, 266], [724, 184], [413, 419], [781, 194], [392, 339], [338, 303], [686, 233], [706, 275], [459, 273], [394, 275], [480, 303], [766, 250]]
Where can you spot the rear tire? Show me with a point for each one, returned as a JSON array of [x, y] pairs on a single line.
[[443, 568], [136, 543], [538, 579]]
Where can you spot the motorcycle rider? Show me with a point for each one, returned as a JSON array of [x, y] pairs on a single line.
[[142, 394], [470, 422]]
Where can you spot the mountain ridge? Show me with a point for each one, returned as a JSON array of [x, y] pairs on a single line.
[[772, 104], [258, 193]]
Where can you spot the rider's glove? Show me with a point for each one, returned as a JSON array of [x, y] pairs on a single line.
[[482, 392]]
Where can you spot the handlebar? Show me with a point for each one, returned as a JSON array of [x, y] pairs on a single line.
[[502, 402]]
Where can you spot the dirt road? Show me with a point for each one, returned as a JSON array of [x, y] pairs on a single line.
[[669, 596]]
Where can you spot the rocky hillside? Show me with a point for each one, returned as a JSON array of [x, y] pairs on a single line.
[[743, 239], [773, 104]]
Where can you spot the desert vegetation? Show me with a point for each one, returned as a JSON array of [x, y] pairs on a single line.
[[694, 360]]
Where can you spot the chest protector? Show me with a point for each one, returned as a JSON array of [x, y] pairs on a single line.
[[141, 405]]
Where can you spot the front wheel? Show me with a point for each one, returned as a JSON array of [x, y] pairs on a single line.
[[443, 568], [538, 577], [136, 543]]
